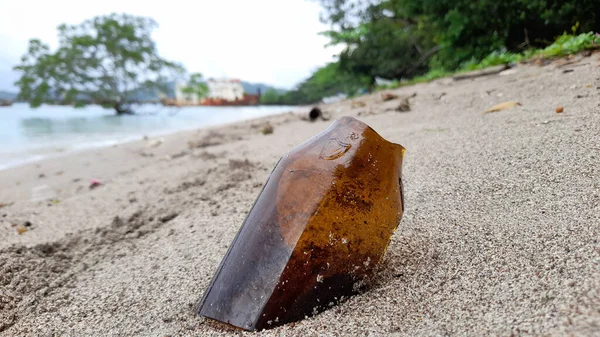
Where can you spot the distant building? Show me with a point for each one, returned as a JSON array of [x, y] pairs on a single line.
[[221, 92], [226, 89]]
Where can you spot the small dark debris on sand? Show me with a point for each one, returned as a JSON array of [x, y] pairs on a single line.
[[205, 155], [358, 104], [169, 217], [146, 154], [178, 155], [404, 106], [185, 186], [267, 129], [235, 164], [314, 113], [211, 139], [3, 204], [386, 96]]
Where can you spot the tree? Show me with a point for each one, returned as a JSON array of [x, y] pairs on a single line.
[[470, 30], [271, 96], [196, 87], [108, 60], [381, 39], [326, 81], [402, 38]]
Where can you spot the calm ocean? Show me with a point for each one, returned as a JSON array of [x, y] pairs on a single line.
[[32, 134]]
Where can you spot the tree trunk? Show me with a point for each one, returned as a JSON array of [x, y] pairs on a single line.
[[372, 83], [122, 109]]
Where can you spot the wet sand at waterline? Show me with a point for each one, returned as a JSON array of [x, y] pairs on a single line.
[[500, 234]]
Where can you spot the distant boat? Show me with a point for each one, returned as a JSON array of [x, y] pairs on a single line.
[[228, 92], [221, 92], [6, 102], [244, 101]]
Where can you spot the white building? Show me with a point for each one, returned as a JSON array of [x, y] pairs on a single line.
[[227, 89]]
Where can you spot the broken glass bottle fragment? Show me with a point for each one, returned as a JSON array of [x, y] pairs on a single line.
[[320, 225]]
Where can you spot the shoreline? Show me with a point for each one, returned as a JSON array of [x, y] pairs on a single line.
[[499, 234], [57, 151]]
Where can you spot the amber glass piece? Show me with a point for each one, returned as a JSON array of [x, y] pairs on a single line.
[[321, 224]]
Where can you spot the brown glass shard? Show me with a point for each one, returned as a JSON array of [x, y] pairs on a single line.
[[320, 225]]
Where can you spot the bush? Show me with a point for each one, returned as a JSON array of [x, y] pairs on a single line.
[[568, 44]]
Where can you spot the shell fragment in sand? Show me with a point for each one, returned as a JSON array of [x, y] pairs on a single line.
[[502, 106]]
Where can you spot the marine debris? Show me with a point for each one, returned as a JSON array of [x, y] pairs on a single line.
[[316, 232]]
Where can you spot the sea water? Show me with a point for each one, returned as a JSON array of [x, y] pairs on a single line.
[[32, 134]]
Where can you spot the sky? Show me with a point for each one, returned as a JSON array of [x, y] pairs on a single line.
[[270, 41]]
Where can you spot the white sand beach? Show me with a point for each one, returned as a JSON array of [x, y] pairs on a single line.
[[500, 236]]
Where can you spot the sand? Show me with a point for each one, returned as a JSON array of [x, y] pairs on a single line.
[[499, 236]]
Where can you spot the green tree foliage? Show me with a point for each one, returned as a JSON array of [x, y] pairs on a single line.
[[271, 97], [327, 81], [196, 86], [473, 29], [381, 39], [402, 38], [109, 60]]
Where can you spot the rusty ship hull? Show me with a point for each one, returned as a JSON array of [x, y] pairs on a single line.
[[246, 100]]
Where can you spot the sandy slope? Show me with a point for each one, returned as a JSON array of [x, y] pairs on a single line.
[[500, 234]]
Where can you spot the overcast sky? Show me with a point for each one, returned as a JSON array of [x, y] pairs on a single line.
[[270, 41]]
